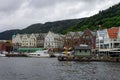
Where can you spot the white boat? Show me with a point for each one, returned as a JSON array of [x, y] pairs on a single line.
[[39, 53], [2, 53]]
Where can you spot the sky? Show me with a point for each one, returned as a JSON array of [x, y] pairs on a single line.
[[19, 14]]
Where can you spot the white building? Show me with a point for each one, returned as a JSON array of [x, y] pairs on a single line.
[[32, 40], [28, 40], [110, 40], [53, 40], [17, 40], [25, 40], [100, 39]]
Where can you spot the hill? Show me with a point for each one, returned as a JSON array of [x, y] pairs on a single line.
[[107, 18], [57, 27]]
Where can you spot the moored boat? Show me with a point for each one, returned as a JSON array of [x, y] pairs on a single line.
[[39, 53], [2, 53]]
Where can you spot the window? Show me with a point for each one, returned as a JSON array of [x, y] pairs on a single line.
[[83, 36], [87, 37], [85, 50], [79, 50]]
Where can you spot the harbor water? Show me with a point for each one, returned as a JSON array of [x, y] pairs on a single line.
[[52, 69]]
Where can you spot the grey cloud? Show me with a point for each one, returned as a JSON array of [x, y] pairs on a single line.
[[48, 3], [7, 6]]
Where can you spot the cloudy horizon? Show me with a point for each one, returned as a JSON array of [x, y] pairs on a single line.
[[19, 14]]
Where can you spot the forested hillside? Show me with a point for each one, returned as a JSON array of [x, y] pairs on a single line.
[[107, 18]]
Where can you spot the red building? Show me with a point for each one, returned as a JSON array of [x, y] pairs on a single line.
[[89, 38], [2, 46], [5, 45]]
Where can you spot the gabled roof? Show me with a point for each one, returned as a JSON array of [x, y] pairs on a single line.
[[80, 33], [94, 33], [71, 33], [44, 34], [36, 35], [53, 34], [82, 47], [113, 32]]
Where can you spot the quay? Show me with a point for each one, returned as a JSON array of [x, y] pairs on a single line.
[[85, 53], [16, 55], [99, 59]]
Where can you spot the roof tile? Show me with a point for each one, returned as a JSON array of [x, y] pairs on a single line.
[[113, 32]]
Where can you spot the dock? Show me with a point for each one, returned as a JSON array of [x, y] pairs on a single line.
[[99, 59], [109, 56], [16, 55]]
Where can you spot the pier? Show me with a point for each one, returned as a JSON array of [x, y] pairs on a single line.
[[92, 58], [85, 53]]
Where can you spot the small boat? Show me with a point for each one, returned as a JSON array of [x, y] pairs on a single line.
[[39, 53], [2, 53]]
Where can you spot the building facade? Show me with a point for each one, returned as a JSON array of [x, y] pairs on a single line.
[[53, 40], [111, 39], [89, 38], [40, 40], [24, 40], [68, 40]]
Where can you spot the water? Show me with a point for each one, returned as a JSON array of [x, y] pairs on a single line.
[[51, 69]]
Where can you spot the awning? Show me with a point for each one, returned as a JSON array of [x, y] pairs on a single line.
[[29, 49]]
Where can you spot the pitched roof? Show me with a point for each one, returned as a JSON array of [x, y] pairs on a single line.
[[113, 32], [80, 33], [71, 33], [94, 33], [82, 47]]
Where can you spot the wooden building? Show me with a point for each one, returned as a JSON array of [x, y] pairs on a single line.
[[89, 38], [68, 40], [77, 38], [2, 46]]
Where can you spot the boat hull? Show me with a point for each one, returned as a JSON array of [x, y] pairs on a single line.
[[2, 55], [39, 56]]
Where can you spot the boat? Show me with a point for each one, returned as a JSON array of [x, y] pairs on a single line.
[[39, 53], [2, 53]]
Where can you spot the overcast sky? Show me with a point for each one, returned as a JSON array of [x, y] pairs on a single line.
[[18, 14]]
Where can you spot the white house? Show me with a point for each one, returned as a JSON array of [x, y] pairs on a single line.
[[111, 37], [53, 40], [28, 40], [25, 40], [33, 40], [100, 37], [17, 40]]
